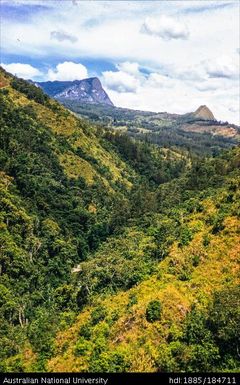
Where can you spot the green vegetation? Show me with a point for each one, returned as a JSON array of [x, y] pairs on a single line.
[[165, 130], [115, 254], [153, 311], [30, 91]]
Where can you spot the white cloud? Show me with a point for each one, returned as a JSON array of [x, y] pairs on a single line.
[[222, 67], [234, 108], [127, 79], [214, 84], [157, 80], [182, 69], [165, 27], [25, 71], [68, 71], [120, 81], [128, 67], [61, 36], [111, 31]]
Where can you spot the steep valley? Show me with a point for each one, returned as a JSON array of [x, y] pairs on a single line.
[[116, 254]]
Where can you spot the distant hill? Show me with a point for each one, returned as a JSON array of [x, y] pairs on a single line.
[[85, 91], [198, 131]]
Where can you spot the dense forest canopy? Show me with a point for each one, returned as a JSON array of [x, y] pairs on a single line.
[[115, 254]]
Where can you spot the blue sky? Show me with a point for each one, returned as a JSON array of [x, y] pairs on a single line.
[[154, 55]]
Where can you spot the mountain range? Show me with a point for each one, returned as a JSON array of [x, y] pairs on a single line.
[[199, 129]]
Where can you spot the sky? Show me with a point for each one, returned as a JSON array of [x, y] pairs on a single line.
[[150, 55]]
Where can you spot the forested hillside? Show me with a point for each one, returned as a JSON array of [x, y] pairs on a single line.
[[115, 254], [198, 131]]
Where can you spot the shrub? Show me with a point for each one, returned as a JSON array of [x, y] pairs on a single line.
[[82, 346], [218, 224], [186, 236], [98, 315], [82, 296], [85, 331], [110, 362], [206, 240], [4, 91], [185, 276], [153, 311], [132, 300]]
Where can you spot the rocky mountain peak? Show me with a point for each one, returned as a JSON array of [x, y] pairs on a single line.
[[88, 90], [203, 112]]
